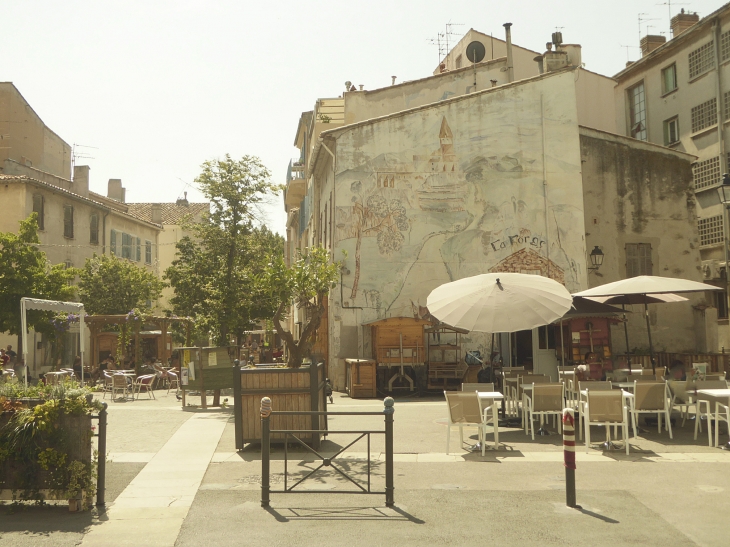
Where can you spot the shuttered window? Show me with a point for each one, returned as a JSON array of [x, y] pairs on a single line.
[[94, 229], [68, 221], [38, 208], [138, 253], [127, 246], [148, 252], [638, 259], [113, 242]]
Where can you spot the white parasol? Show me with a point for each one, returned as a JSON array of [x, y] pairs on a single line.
[[499, 302]]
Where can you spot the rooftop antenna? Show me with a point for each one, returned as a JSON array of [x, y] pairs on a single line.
[[644, 20], [475, 52], [83, 155], [668, 3], [627, 51], [439, 42]]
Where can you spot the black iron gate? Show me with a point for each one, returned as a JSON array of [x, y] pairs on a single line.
[[292, 436]]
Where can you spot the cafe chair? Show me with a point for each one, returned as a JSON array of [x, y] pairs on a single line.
[[705, 403], [464, 411], [722, 414], [680, 397], [490, 417], [518, 391], [477, 387], [107, 383], [144, 383], [582, 386], [119, 385], [172, 380], [545, 400], [605, 408], [652, 398]]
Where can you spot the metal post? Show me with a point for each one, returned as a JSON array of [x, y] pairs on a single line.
[[651, 346], [388, 411], [726, 214], [101, 464], [569, 456], [237, 412], [265, 450]]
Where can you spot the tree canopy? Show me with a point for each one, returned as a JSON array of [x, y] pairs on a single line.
[[26, 272], [109, 285], [215, 272], [306, 283]]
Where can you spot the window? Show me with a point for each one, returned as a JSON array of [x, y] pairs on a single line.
[[704, 115], [138, 248], [546, 337], [701, 59], [638, 259], [94, 229], [68, 221], [706, 173], [671, 131], [669, 79], [711, 230], [148, 252], [127, 246], [637, 112], [38, 204], [113, 242], [68, 264], [725, 46], [721, 304]]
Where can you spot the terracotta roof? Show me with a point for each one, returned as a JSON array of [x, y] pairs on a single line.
[[172, 213]]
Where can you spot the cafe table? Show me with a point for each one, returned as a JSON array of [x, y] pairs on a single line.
[[493, 398], [719, 394]]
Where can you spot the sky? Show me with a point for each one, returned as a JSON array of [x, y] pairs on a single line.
[[149, 90]]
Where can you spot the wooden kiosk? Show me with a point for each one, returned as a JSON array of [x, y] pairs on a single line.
[[204, 369], [398, 343]]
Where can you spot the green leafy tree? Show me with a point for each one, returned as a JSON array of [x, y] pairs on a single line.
[[26, 272], [214, 274], [109, 285], [306, 283]]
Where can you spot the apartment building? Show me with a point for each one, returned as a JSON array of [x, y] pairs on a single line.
[[678, 95]]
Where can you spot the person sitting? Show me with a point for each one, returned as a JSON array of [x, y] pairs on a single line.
[[77, 367], [677, 371], [591, 369]]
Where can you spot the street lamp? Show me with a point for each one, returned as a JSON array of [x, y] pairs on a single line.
[[597, 254]]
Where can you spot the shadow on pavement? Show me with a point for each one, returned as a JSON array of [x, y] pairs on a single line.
[[288, 514]]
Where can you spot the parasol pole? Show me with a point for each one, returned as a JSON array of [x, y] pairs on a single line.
[[562, 348], [626, 334], [648, 330]]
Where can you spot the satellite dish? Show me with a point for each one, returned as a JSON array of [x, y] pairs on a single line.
[[475, 52]]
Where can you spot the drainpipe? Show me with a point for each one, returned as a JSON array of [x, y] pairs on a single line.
[[510, 66], [720, 104], [103, 233]]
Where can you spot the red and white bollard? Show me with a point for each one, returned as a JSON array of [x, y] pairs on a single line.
[[569, 456]]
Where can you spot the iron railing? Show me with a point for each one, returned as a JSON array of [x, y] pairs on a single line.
[[292, 435]]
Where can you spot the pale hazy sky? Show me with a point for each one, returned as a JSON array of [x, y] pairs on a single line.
[[157, 87]]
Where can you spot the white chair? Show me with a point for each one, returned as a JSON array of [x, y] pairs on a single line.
[[145, 383], [652, 398], [582, 386], [119, 385], [705, 404], [490, 416], [680, 397], [107, 383], [464, 411], [722, 414], [172, 379], [477, 387], [605, 408], [545, 400]]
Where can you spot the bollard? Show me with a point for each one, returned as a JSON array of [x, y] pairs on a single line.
[[569, 456], [265, 450], [388, 411], [101, 455]]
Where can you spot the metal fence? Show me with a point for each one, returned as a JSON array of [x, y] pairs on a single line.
[[293, 436]]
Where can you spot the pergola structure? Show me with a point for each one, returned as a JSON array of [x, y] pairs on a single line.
[[98, 322]]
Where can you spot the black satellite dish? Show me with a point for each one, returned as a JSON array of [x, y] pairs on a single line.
[[475, 52]]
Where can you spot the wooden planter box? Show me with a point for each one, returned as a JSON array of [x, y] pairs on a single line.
[[289, 389], [361, 378]]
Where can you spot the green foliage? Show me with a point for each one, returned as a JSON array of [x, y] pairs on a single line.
[[307, 283], [109, 285], [37, 443], [215, 272], [26, 272]]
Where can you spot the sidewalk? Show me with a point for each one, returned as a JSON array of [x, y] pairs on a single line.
[[175, 478]]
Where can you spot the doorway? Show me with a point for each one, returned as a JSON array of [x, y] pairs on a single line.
[[522, 344]]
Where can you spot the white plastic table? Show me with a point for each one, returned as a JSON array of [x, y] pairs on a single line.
[[720, 394]]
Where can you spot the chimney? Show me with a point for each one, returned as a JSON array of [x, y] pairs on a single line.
[[81, 180], [508, 39], [115, 190], [650, 42], [540, 67], [574, 54], [392, 78], [184, 201], [555, 59], [157, 213], [682, 21]]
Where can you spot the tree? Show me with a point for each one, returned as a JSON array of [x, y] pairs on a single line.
[[215, 271], [26, 272], [307, 283], [113, 286]]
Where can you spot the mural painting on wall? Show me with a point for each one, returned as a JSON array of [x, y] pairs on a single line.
[[419, 220]]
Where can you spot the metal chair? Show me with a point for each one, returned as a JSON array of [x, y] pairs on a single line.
[[172, 378], [145, 383], [545, 400], [652, 398], [605, 408], [119, 385]]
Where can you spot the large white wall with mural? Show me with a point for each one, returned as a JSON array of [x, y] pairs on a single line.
[[456, 189]]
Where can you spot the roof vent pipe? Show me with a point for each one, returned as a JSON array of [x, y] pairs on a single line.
[[510, 66]]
